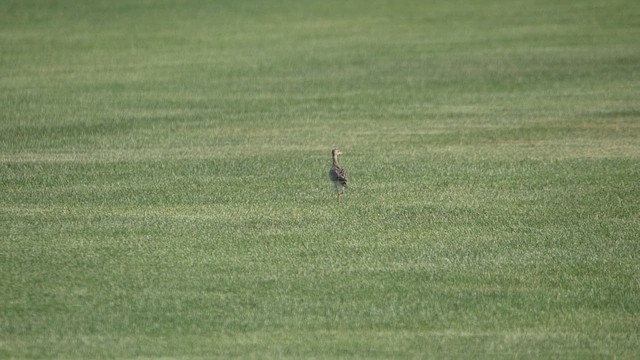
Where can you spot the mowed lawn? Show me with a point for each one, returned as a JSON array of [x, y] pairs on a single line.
[[163, 189]]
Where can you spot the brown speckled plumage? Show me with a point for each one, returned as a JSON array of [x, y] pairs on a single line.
[[337, 174]]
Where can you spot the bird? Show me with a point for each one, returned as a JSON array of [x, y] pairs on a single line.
[[337, 174]]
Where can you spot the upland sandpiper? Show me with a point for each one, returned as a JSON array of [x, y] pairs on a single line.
[[337, 175]]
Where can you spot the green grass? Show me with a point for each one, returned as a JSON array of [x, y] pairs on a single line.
[[163, 188]]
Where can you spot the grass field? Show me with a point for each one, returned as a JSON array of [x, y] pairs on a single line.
[[163, 189]]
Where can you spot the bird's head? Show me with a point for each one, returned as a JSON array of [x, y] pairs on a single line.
[[336, 152]]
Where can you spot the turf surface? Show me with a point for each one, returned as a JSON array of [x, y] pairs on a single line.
[[163, 186]]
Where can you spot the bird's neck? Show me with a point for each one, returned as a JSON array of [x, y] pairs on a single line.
[[335, 160]]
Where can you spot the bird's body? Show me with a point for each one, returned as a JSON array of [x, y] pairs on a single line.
[[337, 174]]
